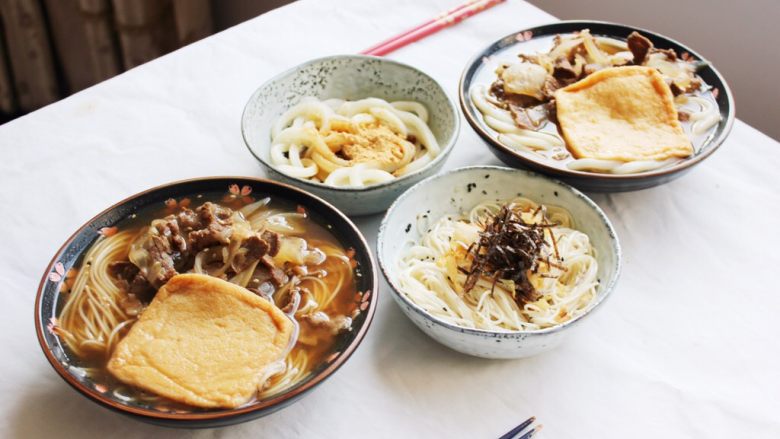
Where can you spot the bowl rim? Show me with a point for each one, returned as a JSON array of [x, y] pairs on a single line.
[[571, 173], [396, 290], [278, 401], [445, 151]]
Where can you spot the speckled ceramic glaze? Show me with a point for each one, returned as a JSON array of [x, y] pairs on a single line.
[[449, 193], [49, 301], [524, 41], [350, 77]]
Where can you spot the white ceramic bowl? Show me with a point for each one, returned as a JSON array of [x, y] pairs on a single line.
[[449, 193], [350, 77]]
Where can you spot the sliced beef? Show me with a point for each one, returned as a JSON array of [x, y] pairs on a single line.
[[552, 111], [497, 90], [522, 118], [123, 271], [676, 90], [161, 251], [188, 220], [293, 301], [639, 47], [511, 99], [516, 104], [272, 238], [168, 228], [254, 247], [210, 212], [550, 85], [278, 276], [213, 234], [564, 72], [129, 278], [213, 226], [171, 243]]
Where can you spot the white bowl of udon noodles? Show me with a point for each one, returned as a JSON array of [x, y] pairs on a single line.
[[429, 236], [355, 130]]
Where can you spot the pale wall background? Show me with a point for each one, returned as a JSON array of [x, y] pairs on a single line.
[[740, 37]]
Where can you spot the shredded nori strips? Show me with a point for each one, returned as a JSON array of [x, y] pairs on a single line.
[[508, 248]]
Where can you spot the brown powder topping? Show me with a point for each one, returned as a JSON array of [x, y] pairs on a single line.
[[372, 142]]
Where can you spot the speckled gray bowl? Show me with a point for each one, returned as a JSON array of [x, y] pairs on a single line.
[[350, 77], [450, 193]]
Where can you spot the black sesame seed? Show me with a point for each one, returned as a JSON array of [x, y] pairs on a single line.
[[555, 193], [484, 192], [408, 227], [487, 176]]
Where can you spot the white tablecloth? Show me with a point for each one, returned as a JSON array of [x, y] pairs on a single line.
[[688, 345]]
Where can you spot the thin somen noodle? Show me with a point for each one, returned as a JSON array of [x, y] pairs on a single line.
[[434, 271], [310, 277], [92, 317]]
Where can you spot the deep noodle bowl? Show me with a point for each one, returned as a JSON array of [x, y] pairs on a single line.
[[93, 315], [545, 143]]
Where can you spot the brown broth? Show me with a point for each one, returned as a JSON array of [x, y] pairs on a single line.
[[344, 302]]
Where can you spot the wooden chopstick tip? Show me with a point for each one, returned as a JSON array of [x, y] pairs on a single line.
[[532, 432]]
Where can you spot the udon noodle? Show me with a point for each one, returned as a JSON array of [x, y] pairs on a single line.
[[352, 143], [317, 292], [433, 271], [696, 101]]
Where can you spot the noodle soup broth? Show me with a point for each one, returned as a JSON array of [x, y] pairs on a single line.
[[328, 309], [545, 143], [708, 118]]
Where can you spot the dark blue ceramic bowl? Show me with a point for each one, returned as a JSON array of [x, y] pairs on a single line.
[[70, 253], [523, 41]]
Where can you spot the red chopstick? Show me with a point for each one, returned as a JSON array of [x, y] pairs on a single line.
[[420, 26], [443, 20]]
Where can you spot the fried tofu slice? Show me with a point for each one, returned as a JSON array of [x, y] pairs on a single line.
[[621, 113], [202, 341]]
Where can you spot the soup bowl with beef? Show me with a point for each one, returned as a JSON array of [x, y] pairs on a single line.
[[206, 302]]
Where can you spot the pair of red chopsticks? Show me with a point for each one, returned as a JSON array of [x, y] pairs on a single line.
[[441, 21]]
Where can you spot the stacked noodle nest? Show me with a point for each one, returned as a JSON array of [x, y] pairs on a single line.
[[419, 233]]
